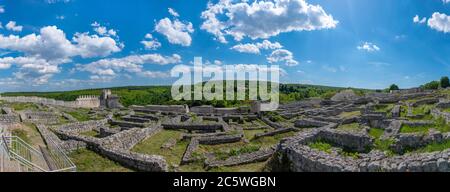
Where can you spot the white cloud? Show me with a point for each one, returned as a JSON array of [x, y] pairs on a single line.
[[43, 53], [446, 1], [255, 48], [417, 19], [2, 9], [60, 17], [173, 12], [369, 47], [263, 19], [12, 26], [103, 31], [130, 64], [439, 22], [52, 43], [282, 55], [176, 32], [150, 43], [32, 69]]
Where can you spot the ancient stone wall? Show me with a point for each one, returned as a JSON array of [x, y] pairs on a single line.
[[81, 103]]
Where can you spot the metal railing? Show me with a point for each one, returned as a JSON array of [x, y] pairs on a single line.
[[16, 152]]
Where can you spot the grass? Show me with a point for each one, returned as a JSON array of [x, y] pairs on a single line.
[[384, 108], [350, 114], [80, 115], [22, 134], [250, 134], [433, 147], [91, 133], [321, 146], [251, 167], [376, 132], [447, 110], [24, 106], [415, 129], [439, 124], [423, 109], [223, 154], [273, 140], [353, 127], [89, 161], [153, 145]]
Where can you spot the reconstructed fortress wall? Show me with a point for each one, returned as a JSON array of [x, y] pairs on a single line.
[[87, 101]]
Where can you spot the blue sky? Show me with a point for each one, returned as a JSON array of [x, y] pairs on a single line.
[[50, 45]]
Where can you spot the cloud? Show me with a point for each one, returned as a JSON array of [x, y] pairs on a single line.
[[176, 32], [43, 53], [130, 64], [12, 26], [439, 22], [58, 1], [60, 17], [417, 19], [32, 69], [282, 55], [103, 31], [369, 47], [150, 43], [446, 1], [263, 19], [2, 9], [52, 43], [173, 12], [255, 48]]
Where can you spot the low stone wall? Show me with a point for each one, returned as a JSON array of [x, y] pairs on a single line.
[[309, 123], [275, 132], [411, 141], [358, 142], [40, 117], [9, 119], [215, 140], [162, 108], [194, 127], [258, 156], [426, 101], [296, 156], [439, 114], [187, 156], [396, 111], [80, 127], [117, 148]]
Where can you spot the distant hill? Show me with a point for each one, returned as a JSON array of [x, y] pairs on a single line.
[[147, 95]]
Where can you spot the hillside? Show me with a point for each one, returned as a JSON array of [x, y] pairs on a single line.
[[147, 95]]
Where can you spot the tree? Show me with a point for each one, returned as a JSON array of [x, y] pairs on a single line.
[[393, 87], [445, 82], [431, 85]]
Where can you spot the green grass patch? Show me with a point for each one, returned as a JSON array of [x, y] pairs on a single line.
[[224, 154], [352, 127], [91, 133], [24, 106], [350, 114], [434, 147], [22, 134], [80, 115], [89, 161], [447, 110], [250, 134], [152, 146], [376, 132], [321, 146], [415, 129], [384, 108], [252, 167], [273, 140]]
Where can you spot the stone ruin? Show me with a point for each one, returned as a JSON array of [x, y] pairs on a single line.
[[315, 135]]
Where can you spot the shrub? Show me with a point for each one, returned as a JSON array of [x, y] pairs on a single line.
[[445, 82]]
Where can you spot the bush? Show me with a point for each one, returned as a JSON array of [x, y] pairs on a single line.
[[431, 85], [393, 87], [445, 82]]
